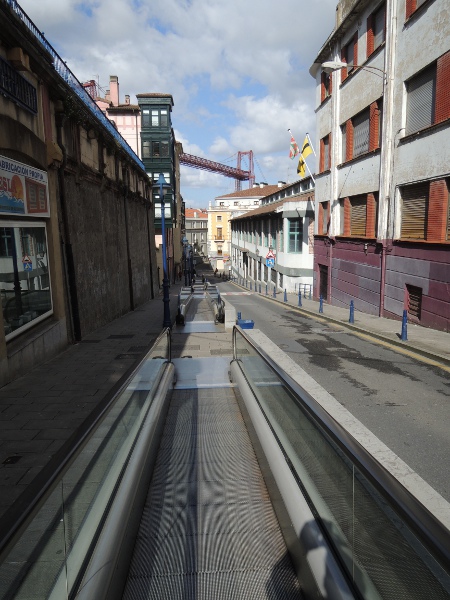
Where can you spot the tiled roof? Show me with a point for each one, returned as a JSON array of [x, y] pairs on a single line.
[[272, 207], [122, 107], [189, 213], [256, 192], [154, 95]]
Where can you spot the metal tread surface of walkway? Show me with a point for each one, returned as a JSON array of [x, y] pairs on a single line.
[[208, 529]]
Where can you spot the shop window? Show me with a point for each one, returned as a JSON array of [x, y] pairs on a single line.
[[24, 276]]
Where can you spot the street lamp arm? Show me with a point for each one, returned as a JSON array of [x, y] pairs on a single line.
[[331, 66]]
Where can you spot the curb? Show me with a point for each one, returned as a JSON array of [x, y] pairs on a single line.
[[438, 358]]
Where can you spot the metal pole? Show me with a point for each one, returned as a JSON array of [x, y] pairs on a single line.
[[404, 335], [299, 296], [166, 299], [321, 304], [285, 295], [352, 312]]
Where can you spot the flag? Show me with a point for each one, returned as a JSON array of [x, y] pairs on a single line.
[[294, 151], [306, 151]]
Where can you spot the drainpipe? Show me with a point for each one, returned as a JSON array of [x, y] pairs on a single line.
[[66, 245], [147, 208], [126, 184]]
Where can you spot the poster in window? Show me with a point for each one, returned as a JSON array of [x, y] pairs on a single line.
[[23, 189]]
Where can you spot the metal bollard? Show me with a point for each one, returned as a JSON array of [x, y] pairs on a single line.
[[274, 292], [299, 297], [309, 292], [266, 289], [352, 312], [259, 288], [239, 316], [250, 286], [321, 304], [404, 335], [285, 295]]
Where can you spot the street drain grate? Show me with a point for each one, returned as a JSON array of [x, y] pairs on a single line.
[[222, 352]]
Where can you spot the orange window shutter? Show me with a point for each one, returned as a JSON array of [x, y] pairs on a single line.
[[442, 102]]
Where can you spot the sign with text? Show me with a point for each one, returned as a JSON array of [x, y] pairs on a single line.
[[23, 189]]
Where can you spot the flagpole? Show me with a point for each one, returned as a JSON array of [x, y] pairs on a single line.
[[309, 171], [310, 143]]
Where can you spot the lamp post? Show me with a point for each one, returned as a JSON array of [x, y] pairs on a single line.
[[161, 185]]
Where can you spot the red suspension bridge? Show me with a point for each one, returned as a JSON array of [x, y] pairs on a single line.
[[237, 173]]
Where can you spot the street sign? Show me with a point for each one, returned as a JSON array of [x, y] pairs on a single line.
[[27, 263], [270, 262]]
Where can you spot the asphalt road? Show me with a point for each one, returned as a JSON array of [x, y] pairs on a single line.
[[404, 402]]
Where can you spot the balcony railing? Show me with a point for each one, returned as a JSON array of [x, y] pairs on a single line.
[[66, 74]]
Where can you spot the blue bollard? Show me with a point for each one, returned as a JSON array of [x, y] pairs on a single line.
[[321, 304], [259, 288], [274, 292], [309, 292], [239, 316], [285, 295], [266, 289], [404, 335], [352, 312], [299, 297]]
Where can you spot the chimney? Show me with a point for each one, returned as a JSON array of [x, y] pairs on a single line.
[[114, 88], [255, 185], [262, 184], [108, 95], [281, 183], [127, 99]]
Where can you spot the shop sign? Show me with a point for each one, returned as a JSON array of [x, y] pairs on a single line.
[[23, 189]]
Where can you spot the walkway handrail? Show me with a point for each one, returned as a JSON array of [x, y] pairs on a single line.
[[66, 74], [14, 522], [428, 528]]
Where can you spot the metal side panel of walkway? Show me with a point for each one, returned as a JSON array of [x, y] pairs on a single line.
[[208, 528]]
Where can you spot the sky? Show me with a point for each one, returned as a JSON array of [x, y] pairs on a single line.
[[238, 71]]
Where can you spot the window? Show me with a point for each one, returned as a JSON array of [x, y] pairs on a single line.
[[413, 5], [219, 217], [145, 117], [236, 203], [358, 215], [323, 218], [219, 250], [325, 86], [25, 275], [349, 55], [414, 211], [325, 154], [146, 149], [295, 235], [362, 133], [376, 29], [219, 233], [155, 118], [221, 203], [428, 101]]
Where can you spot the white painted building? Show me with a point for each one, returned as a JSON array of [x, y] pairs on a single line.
[[219, 214], [282, 227]]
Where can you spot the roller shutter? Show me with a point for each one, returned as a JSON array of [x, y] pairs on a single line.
[[358, 216]]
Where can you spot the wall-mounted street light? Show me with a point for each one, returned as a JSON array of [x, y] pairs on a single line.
[[160, 186], [337, 65]]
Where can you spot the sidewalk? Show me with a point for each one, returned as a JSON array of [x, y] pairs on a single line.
[[430, 343], [40, 411]]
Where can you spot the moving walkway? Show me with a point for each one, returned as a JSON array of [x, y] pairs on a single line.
[[212, 473]]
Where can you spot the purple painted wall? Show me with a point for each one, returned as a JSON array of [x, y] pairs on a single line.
[[425, 267]]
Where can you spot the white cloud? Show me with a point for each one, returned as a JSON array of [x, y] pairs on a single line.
[[238, 71]]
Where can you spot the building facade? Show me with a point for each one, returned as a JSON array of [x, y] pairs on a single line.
[[196, 229], [382, 188], [219, 214], [273, 244], [76, 222]]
